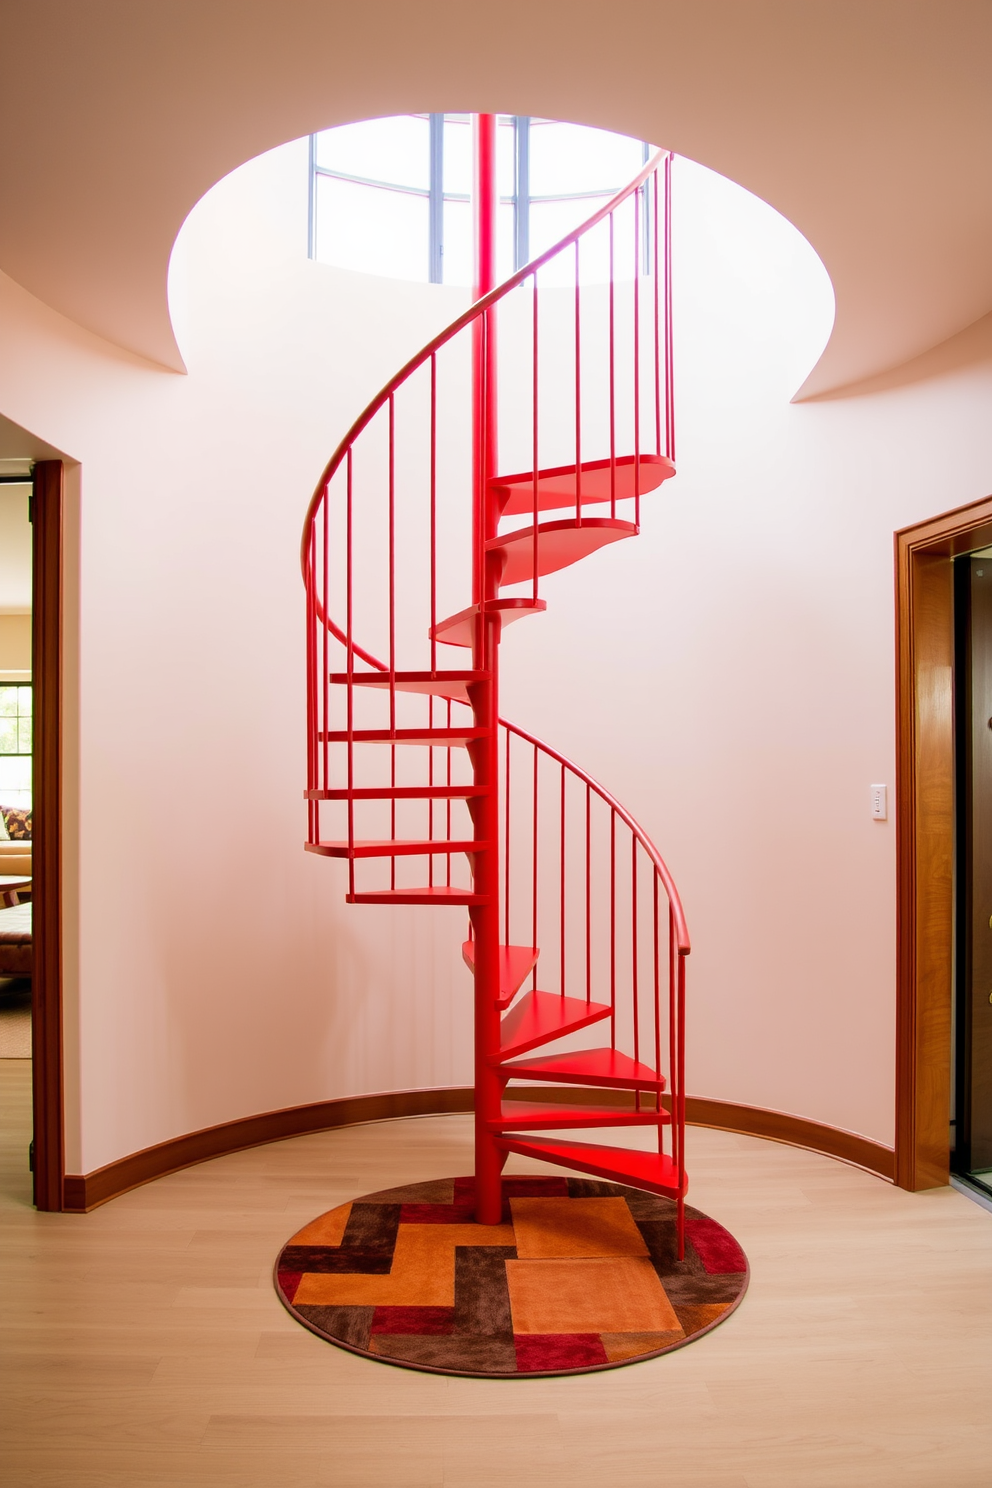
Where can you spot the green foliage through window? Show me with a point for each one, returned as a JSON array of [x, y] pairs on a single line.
[[15, 743]]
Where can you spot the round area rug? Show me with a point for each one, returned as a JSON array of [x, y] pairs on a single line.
[[579, 1275]]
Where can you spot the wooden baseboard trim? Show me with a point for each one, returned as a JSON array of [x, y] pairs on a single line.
[[87, 1191], [83, 1192], [795, 1131]]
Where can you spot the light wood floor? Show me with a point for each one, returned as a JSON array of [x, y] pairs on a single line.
[[144, 1345]]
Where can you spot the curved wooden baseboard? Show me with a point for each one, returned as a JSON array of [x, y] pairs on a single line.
[[795, 1131], [87, 1191], [82, 1192]]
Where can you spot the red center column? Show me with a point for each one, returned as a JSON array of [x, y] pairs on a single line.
[[485, 695]]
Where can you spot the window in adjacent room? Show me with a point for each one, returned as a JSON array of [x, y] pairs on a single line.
[[15, 743]]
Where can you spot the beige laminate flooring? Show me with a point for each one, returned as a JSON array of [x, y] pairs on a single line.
[[144, 1345]]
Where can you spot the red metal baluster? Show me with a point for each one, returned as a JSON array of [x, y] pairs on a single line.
[[637, 359], [669, 364], [313, 726], [613, 380], [533, 881], [392, 631], [578, 391], [680, 1020], [535, 429], [433, 510], [392, 564], [506, 844], [657, 308], [447, 804], [613, 929], [657, 1007], [430, 784], [588, 892], [673, 1098], [350, 663], [433, 604], [326, 671], [633, 961], [561, 864]]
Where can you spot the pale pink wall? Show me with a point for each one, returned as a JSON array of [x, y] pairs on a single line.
[[729, 674]]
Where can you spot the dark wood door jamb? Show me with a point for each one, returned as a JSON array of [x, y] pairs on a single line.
[[46, 864]]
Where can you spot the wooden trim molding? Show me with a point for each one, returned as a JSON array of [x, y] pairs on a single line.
[[925, 834], [46, 854], [92, 1189], [794, 1131], [83, 1192]]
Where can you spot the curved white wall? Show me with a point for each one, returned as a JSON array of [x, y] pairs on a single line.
[[730, 675]]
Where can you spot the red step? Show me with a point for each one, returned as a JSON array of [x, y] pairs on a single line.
[[397, 847], [400, 793], [439, 738], [523, 1115], [453, 685], [605, 1067], [459, 630], [559, 544], [515, 965], [601, 481], [540, 1017], [649, 1170], [442, 895]]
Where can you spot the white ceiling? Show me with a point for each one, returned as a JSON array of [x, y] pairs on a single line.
[[868, 123]]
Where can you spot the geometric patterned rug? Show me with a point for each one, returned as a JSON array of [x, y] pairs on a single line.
[[579, 1275]]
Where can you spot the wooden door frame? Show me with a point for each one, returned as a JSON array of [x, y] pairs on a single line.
[[47, 517], [925, 834]]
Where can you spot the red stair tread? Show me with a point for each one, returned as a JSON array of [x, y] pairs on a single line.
[[530, 1115], [606, 1067], [432, 895], [399, 793], [395, 847], [649, 1170], [515, 965], [459, 630], [556, 487], [453, 685], [440, 738], [559, 544], [540, 1017]]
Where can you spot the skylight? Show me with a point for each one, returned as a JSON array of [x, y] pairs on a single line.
[[393, 196]]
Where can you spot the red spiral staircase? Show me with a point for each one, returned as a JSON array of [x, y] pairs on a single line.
[[434, 799]]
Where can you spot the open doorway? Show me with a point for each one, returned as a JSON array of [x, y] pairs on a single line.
[[31, 1053], [971, 1146], [930, 791], [16, 824]]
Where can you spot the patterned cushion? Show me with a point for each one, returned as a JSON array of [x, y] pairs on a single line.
[[4, 834], [17, 820]]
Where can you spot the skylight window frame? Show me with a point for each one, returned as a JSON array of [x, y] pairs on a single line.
[[521, 199]]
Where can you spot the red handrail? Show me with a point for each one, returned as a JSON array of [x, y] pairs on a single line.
[[681, 930], [466, 318]]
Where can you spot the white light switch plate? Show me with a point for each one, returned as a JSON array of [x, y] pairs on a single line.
[[879, 802]]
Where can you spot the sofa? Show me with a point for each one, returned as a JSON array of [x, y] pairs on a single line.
[[15, 941], [15, 857], [15, 921]]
